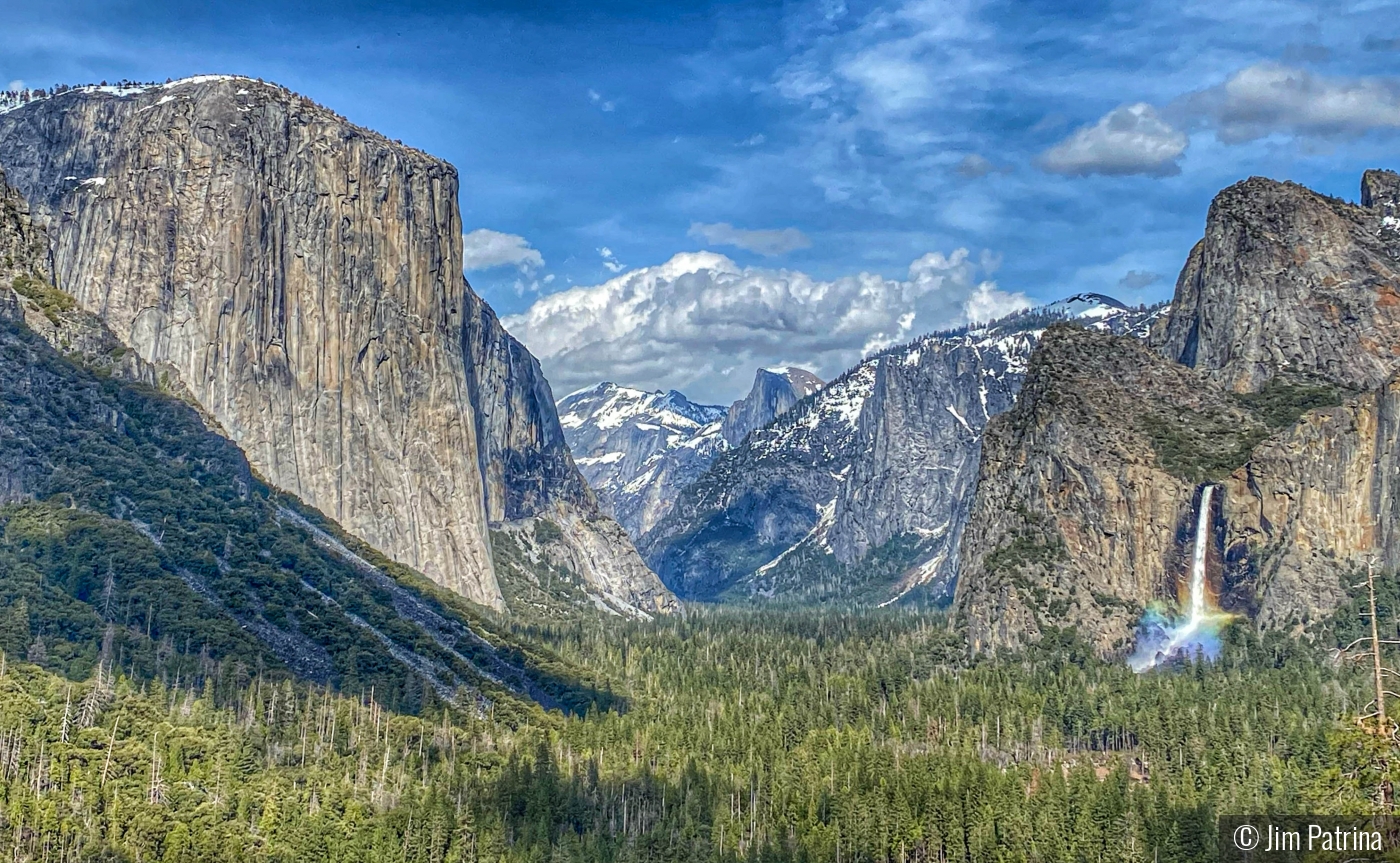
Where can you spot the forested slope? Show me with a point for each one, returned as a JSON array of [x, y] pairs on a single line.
[[749, 737]]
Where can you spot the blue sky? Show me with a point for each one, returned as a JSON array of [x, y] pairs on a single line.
[[1062, 146]]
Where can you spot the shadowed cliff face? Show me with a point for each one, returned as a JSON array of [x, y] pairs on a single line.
[[302, 276], [1289, 282], [1312, 504], [530, 474], [24, 250]]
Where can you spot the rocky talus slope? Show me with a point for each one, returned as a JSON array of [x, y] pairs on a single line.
[[301, 277]]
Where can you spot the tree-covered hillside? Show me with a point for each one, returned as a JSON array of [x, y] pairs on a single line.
[[137, 538]]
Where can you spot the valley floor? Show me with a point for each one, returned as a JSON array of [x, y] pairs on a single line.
[[726, 735]]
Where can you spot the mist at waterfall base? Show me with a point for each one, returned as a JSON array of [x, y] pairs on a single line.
[[1194, 634], [1163, 637]]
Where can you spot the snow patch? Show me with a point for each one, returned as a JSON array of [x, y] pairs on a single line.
[[605, 458], [954, 411]]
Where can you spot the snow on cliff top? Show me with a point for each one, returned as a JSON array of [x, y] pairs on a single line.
[[13, 99]]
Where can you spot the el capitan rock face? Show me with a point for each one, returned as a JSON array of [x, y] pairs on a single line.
[[302, 277]]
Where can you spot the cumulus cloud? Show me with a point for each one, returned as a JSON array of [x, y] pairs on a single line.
[[1266, 98], [771, 242], [701, 323], [1131, 139], [485, 249]]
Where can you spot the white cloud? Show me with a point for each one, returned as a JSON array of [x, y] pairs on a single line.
[[771, 242], [1266, 98], [1131, 139], [15, 85], [610, 260], [597, 98], [701, 323], [876, 89], [485, 249]]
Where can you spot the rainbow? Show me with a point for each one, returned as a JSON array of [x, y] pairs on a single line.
[[1162, 637]]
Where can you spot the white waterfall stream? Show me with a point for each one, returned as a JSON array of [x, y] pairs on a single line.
[[1198, 559], [1196, 632]]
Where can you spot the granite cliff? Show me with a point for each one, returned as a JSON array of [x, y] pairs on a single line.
[[1086, 490], [301, 278], [1288, 282], [773, 394], [1272, 377], [115, 494]]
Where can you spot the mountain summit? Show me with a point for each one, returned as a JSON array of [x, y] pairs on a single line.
[[773, 393], [638, 449]]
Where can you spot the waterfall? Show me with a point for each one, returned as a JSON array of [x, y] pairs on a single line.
[[1196, 633], [1198, 559]]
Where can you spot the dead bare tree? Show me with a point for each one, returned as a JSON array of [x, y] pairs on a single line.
[[1373, 717]]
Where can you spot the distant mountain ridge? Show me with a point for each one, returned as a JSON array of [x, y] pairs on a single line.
[[638, 449], [862, 489]]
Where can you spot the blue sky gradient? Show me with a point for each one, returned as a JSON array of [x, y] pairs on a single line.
[[855, 137]]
